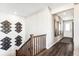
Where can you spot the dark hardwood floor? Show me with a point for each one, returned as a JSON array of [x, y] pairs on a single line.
[[63, 48]]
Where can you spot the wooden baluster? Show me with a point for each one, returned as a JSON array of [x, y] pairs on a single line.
[[39, 44], [33, 46], [43, 42], [36, 46]]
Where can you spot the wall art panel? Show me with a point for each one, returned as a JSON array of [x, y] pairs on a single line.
[[6, 28], [18, 27], [6, 43], [18, 40]]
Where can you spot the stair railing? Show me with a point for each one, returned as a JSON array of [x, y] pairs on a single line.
[[35, 45]]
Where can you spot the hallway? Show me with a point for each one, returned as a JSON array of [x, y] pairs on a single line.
[[62, 48]]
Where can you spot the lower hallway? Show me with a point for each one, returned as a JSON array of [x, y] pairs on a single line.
[[63, 48]]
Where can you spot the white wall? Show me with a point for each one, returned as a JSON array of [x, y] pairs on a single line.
[[12, 19], [40, 23], [76, 30]]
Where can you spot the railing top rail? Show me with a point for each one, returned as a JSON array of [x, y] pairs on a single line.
[[39, 35]]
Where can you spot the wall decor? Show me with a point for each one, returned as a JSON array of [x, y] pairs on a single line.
[[6, 27], [18, 27], [18, 40], [6, 43]]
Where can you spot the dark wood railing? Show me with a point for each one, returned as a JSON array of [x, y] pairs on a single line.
[[33, 46]]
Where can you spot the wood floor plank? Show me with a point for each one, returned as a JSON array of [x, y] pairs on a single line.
[[62, 48]]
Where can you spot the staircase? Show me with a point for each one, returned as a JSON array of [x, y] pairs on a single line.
[[34, 46]]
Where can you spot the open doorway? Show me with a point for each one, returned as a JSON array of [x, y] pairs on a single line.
[[67, 26], [64, 29]]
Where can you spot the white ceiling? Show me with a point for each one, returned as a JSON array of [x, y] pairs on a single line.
[[67, 15], [26, 9]]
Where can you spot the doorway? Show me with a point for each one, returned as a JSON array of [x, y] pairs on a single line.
[[64, 29], [67, 26]]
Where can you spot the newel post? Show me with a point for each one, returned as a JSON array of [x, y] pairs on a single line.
[[31, 43], [31, 35]]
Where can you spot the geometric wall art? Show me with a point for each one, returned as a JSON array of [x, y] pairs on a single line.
[[18, 40], [6, 28], [6, 43], [18, 27]]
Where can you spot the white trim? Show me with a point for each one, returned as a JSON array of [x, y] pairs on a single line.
[[59, 38], [53, 44]]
